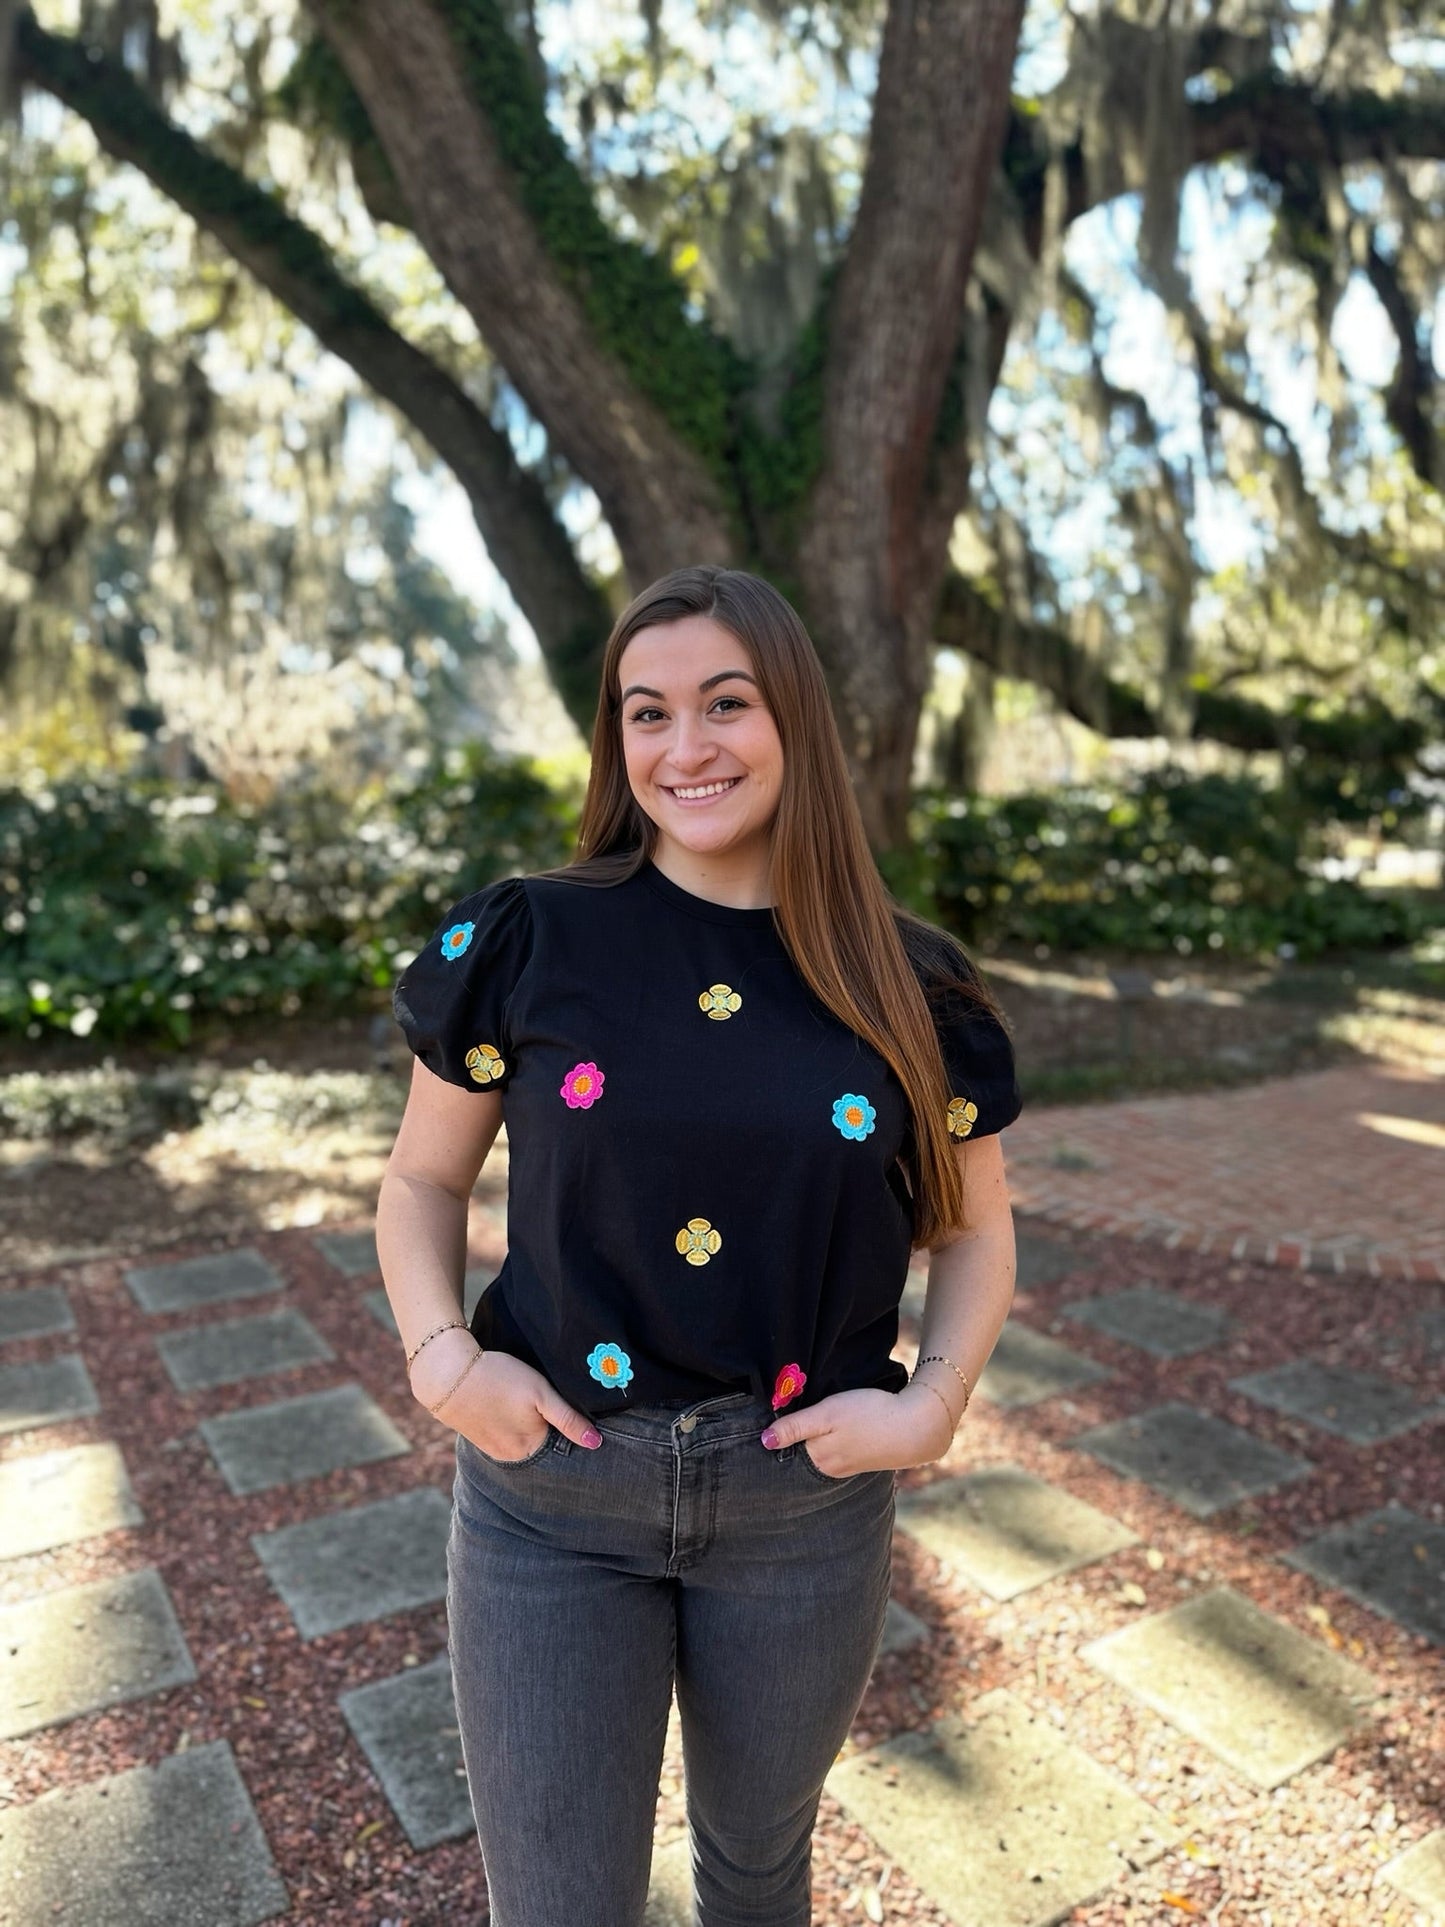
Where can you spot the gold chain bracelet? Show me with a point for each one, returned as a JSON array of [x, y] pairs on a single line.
[[939, 1358], [952, 1421], [434, 1409]]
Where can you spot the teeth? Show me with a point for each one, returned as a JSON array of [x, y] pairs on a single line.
[[710, 789]]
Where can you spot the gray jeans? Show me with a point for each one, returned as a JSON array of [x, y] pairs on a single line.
[[581, 1585]]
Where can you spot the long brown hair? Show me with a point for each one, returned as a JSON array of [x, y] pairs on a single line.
[[849, 939]]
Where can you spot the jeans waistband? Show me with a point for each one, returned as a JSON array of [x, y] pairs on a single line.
[[733, 1414]]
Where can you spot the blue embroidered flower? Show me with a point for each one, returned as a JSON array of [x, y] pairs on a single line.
[[456, 940], [853, 1115], [610, 1365]]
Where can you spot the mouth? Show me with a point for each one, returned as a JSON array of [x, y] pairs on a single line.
[[698, 795]]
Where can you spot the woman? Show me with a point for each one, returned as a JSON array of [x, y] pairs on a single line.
[[740, 1084]]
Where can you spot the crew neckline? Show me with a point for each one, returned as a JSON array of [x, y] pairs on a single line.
[[680, 899]]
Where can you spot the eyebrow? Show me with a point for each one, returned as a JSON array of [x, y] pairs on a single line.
[[641, 689]]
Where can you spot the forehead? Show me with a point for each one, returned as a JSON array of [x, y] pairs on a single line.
[[682, 652]]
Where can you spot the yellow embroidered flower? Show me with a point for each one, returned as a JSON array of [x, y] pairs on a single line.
[[484, 1065], [698, 1242], [719, 1001], [962, 1116]]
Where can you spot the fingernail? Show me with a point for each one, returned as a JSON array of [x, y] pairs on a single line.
[[591, 1437], [770, 1437]]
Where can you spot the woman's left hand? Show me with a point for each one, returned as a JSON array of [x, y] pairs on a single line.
[[867, 1431]]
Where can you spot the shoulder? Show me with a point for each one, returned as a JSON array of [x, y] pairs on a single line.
[[939, 960]]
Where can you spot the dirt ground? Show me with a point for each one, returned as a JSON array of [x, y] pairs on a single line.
[[74, 1198]]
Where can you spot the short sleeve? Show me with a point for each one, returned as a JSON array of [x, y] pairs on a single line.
[[451, 1000], [983, 1089]]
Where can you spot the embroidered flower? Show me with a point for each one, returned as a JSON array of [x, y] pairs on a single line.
[[719, 1001], [962, 1116], [484, 1065], [456, 940], [610, 1365], [853, 1115], [697, 1241], [791, 1380], [582, 1086]]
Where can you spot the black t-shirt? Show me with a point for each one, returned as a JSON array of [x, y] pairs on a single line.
[[705, 1192]]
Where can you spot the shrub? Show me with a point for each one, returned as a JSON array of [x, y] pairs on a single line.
[[1175, 862], [129, 908]]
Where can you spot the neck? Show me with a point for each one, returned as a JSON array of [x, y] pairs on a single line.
[[737, 878]]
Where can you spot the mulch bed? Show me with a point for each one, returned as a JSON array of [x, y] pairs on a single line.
[[1308, 1851]]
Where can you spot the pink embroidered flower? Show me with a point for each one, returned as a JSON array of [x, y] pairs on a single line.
[[582, 1086], [791, 1380]]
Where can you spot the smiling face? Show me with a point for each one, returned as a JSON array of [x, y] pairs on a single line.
[[703, 756]]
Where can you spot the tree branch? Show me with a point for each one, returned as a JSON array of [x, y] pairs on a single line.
[[1409, 398], [1278, 124], [522, 535], [592, 331], [969, 622]]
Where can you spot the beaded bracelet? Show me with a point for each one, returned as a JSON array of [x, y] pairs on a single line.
[[454, 1324]]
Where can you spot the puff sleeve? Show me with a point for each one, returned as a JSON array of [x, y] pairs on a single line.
[[984, 1095], [451, 1000]]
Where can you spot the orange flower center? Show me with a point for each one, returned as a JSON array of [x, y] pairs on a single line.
[[582, 1085], [853, 1114], [610, 1365]]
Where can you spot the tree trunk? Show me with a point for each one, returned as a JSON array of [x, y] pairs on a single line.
[[874, 547]]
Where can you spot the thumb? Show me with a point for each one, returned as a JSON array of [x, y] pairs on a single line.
[[579, 1429], [790, 1430]]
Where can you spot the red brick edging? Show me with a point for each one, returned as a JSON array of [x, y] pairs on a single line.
[[1291, 1254]]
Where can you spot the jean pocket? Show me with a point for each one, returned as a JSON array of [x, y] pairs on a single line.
[[467, 1447]]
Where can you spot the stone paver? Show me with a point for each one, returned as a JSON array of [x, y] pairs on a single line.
[[54, 1498], [997, 1817], [45, 1393], [1419, 1874], [84, 1647], [407, 1728], [36, 1313], [1043, 1261], [1027, 1367], [1264, 1698], [353, 1252], [185, 1284], [173, 1845], [1362, 1407], [902, 1630], [1335, 1170], [300, 1438], [1200, 1462], [669, 1892], [1007, 1531], [1391, 1560], [373, 1560], [379, 1305], [1155, 1321], [224, 1354]]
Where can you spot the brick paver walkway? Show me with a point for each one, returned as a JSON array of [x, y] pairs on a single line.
[[1166, 1626], [1341, 1170]]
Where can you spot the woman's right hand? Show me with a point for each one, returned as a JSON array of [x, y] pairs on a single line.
[[503, 1405]]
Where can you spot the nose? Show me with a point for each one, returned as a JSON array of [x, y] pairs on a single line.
[[691, 749]]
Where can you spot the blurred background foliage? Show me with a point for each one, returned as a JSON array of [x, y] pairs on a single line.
[[268, 706], [143, 908]]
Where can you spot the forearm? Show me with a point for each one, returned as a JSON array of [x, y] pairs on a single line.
[[969, 1293], [421, 1240]]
